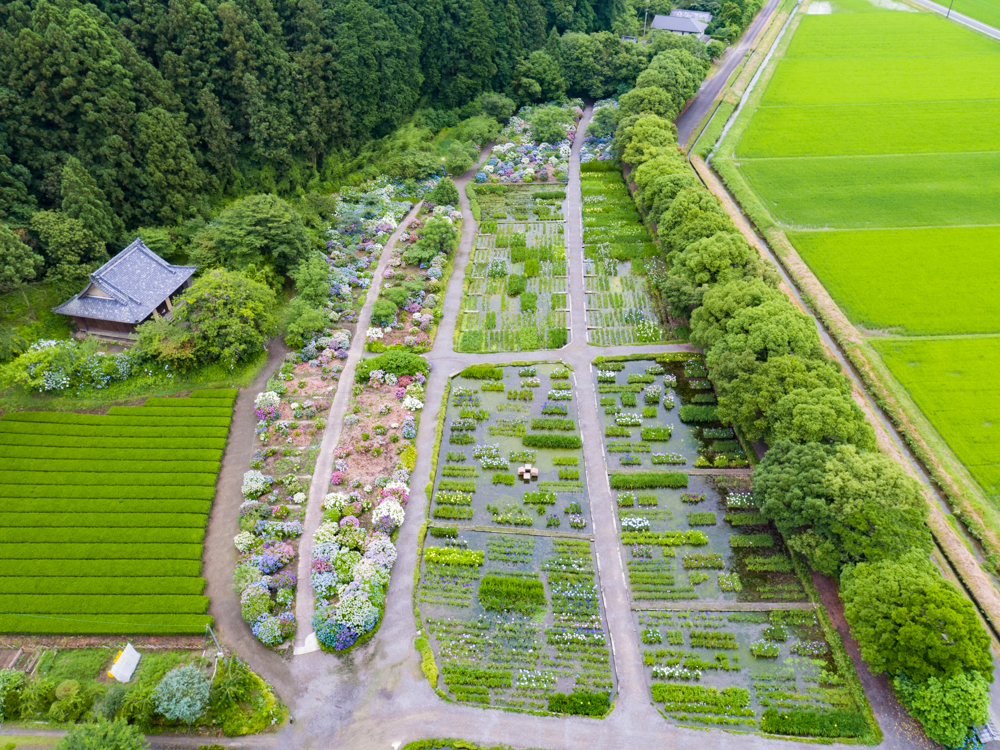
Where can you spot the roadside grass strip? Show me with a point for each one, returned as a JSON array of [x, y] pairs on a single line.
[[103, 516]]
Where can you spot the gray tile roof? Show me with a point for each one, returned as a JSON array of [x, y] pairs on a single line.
[[697, 15], [678, 25], [136, 281]]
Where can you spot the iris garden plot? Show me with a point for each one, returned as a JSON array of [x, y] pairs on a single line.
[[104, 516], [501, 421], [617, 249], [514, 296]]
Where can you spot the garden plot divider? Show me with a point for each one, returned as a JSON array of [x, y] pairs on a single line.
[[110, 543]]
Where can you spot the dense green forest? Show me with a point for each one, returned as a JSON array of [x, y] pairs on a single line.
[[172, 106]]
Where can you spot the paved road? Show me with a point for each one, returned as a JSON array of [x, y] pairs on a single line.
[[704, 100], [958, 18]]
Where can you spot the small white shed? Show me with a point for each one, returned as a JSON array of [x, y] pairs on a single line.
[[125, 664]]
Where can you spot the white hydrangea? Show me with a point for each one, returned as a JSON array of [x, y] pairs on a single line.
[[244, 541], [255, 484], [412, 404], [375, 333], [396, 486], [266, 400], [336, 500], [389, 509], [367, 570], [298, 498], [357, 612], [381, 544], [327, 532]]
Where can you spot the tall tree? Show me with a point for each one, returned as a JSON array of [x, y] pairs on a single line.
[[82, 199]]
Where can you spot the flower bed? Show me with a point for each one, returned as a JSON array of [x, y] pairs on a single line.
[[736, 668], [514, 622], [353, 548], [515, 292], [411, 299], [362, 220], [519, 156], [493, 428], [617, 251], [291, 416]]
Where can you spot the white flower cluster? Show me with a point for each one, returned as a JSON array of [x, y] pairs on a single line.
[[374, 333], [266, 400], [255, 484], [410, 403], [244, 541], [389, 509]]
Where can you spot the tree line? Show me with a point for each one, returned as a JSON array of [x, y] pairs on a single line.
[[846, 508]]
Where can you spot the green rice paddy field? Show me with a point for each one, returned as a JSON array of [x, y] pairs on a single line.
[[102, 517], [875, 146]]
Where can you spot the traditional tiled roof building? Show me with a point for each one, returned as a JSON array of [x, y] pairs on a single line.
[[129, 289]]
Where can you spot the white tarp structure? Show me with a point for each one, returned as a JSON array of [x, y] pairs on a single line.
[[124, 666]]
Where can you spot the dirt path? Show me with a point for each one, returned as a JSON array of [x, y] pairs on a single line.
[[219, 557], [305, 639]]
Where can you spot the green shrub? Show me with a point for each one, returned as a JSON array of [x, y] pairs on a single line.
[[482, 372], [556, 337], [804, 723], [527, 338], [552, 423], [470, 341], [398, 363], [516, 284], [529, 302], [507, 479], [691, 413], [531, 267], [648, 480], [580, 703], [565, 442], [182, 694], [505, 594]]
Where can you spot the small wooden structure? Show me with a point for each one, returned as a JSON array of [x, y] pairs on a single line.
[[134, 286], [527, 472]]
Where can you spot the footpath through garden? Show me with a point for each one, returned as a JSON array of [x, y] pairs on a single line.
[[376, 696]]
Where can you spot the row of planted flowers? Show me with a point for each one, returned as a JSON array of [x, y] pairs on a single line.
[[535, 145], [291, 414], [411, 300], [354, 547]]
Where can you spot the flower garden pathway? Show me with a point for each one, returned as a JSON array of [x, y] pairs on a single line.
[[305, 640], [376, 696]]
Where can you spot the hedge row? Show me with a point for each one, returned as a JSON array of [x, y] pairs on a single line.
[[165, 402], [144, 443], [553, 423], [694, 413], [641, 480], [175, 455], [95, 492], [112, 551], [229, 393], [482, 372], [88, 603], [567, 442], [175, 413], [110, 624], [131, 420], [10, 520], [803, 723], [107, 478], [75, 506], [88, 466], [98, 568], [95, 535], [188, 585], [114, 431]]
